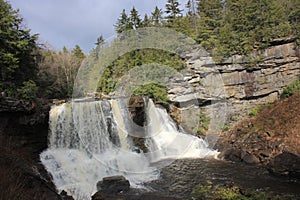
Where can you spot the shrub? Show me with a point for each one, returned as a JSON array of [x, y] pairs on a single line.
[[204, 121], [157, 92], [259, 108], [291, 89]]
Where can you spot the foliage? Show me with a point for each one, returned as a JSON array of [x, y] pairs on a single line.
[[210, 191], [100, 41], [291, 89], [17, 51], [157, 17], [29, 90], [229, 27], [136, 58], [259, 108], [157, 92], [134, 19], [204, 121], [210, 14], [173, 11], [58, 70]]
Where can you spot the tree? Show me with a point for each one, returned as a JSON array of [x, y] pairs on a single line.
[[77, 52], [146, 21], [211, 15], [134, 19], [58, 70], [172, 11], [100, 40], [293, 13], [157, 17], [122, 23], [17, 50]]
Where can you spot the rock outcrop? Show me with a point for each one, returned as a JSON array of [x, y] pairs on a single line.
[[113, 185], [244, 82]]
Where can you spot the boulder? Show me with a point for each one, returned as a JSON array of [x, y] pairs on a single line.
[[285, 163], [113, 185], [249, 158], [64, 195], [231, 154]]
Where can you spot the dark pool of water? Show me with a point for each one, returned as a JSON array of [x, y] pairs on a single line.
[[182, 176]]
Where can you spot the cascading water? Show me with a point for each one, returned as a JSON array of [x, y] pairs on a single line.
[[91, 140]]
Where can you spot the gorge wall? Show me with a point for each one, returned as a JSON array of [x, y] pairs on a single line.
[[246, 81], [23, 135]]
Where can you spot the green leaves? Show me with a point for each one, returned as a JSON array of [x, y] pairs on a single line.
[[29, 90], [157, 92], [291, 89], [133, 59], [17, 47]]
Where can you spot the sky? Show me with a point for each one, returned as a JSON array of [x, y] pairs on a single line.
[[62, 23]]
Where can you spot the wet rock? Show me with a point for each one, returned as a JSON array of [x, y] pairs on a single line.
[[113, 185], [65, 196], [286, 163], [231, 154], [100, 196], [136, 107], [249, 158]]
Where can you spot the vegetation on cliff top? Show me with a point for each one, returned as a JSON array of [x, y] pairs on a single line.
[[224, 28]]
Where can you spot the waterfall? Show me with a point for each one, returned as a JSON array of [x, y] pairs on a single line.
[[89, 140]]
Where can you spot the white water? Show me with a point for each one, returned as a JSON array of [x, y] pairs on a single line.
[[92, 140]]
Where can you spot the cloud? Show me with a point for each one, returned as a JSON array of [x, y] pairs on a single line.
[[70, 22]]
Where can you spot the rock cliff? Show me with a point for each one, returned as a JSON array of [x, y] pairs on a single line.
[[244, 81]]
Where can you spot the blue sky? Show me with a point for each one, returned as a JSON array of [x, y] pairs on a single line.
[[70, 22]]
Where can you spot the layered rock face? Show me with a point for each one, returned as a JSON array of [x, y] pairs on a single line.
[[245, 82]]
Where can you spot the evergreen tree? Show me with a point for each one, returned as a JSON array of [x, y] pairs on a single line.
[[211, 15], [191, 18], [100, 40], [123, 23], [157, 17], [77, 52], [17, 50], [172, 11], [146, 21], [134, 19], [293, 13]]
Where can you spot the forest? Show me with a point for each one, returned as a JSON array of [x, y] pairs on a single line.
[[223, 27]]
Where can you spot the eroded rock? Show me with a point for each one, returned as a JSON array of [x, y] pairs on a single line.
[[113, 185], [285, 163]]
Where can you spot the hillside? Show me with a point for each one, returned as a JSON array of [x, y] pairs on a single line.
[[272, 137]]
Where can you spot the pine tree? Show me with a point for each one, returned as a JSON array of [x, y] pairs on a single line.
[[146, 21], [77, 52], [192, 17], [134, 19], [157, 17], [172, 11], [211, 15], [123, 23], [100, 40], [17, 50]]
